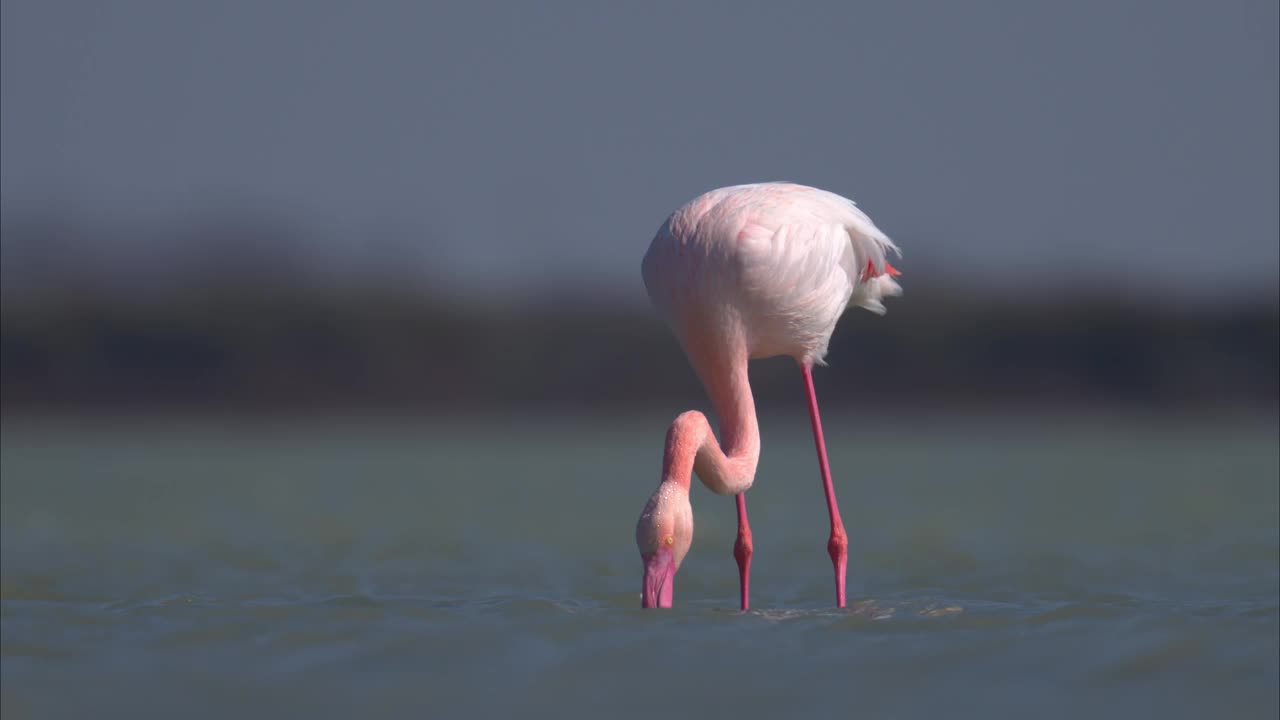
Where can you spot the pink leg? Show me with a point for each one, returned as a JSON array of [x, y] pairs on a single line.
[[742, 549], [838, 544]]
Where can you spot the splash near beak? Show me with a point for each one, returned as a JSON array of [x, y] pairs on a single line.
[[659, 577]]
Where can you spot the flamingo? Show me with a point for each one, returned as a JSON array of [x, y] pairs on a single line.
[[745, 272]]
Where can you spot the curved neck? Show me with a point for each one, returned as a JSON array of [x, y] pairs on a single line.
[[727, 467]]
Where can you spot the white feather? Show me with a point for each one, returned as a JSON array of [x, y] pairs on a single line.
[[776, 262]]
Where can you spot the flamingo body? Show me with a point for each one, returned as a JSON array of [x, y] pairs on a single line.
[[743, 272], [770, 266]]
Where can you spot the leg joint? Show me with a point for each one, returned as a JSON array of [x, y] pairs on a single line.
[[838, 544], [743, 548]]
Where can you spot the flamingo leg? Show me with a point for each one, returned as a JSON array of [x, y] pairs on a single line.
[[742, 549], [838, 543]]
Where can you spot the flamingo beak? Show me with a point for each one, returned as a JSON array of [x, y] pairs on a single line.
[[659, 572]]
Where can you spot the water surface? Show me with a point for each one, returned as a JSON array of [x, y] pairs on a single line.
[[1016, 566]]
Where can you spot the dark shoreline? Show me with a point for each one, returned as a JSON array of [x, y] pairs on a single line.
[[304, 351]]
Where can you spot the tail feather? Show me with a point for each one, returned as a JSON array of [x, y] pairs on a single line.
[[869, 294], [871, 249]]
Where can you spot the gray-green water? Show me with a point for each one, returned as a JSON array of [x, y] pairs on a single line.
[[1017, 567]]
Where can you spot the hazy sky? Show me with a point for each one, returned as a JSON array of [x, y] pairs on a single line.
[[530, 142]]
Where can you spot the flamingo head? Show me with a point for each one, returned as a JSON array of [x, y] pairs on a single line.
[[663, 535]]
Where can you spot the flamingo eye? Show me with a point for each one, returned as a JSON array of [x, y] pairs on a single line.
[[670, 540]]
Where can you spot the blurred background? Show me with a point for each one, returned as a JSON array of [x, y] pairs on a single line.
[[324, 347], [436, 208]]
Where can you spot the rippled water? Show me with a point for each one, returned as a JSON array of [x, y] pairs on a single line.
[[1021, 566]]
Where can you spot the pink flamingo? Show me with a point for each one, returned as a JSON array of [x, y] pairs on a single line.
[[751, 271]]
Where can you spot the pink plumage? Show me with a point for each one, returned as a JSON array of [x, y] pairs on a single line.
[[743, 272]]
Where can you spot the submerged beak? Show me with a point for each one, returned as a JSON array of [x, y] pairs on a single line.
[[659, 575]]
